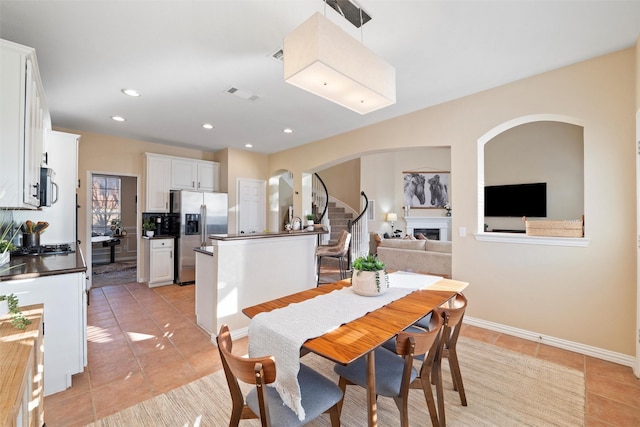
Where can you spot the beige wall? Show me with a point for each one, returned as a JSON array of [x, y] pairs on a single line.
[[585, 295], [343, 183]]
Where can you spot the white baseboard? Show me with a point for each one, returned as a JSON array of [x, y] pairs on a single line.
[[611, 356], [239, 333]]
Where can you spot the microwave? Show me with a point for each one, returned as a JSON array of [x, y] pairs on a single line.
[[48, 188]]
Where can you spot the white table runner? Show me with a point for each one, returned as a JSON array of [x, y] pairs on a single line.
[[282, 332]]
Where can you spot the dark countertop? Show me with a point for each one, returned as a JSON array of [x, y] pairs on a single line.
[[207, 250], [158, 237], [226, 237], [30, 266]]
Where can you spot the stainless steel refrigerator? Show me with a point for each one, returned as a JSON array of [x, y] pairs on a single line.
[[201, 214]]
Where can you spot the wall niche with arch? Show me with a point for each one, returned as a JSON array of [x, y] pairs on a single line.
[[533, 152]]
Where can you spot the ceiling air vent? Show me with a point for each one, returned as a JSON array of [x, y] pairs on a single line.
[[244, 94], [278, 55]]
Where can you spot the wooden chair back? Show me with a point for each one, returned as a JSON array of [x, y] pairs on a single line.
[[424, 341], [412, 344], [452, 315], [259, 371]]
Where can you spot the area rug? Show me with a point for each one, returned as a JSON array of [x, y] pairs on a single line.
[[115, 273], [503, 388]]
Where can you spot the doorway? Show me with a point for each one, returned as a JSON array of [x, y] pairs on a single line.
[[112, 223]]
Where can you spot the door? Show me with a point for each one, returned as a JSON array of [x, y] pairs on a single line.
[[251, 206]]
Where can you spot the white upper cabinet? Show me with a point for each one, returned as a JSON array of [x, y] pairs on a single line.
[[158, 174], [183, 174], [208, 176], [165, 173], [24, 123], [190, 174]]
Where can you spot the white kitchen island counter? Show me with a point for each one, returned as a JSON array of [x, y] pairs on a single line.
[[239, 271]]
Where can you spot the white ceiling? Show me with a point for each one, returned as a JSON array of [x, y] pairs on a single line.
[[183, 55]]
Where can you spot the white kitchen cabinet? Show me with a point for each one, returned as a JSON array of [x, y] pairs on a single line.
[[23, 124], [64, 300], [158, 175], [191, 174], [165, 173], [62, 153], [159, 262], [208, 176], [184, 174]]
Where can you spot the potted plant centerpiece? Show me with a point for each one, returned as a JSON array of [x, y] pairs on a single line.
[[369, 276], [310, 222], [149, 227]]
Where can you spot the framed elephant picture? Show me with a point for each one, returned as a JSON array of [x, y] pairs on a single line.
[[426, 190]]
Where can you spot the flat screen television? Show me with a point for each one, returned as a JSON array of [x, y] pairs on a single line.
[[516, 200]]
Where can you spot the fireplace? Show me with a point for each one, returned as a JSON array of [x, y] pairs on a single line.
[[429, 233], [439, 223]]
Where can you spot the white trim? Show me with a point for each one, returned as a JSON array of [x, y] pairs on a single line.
[[371, 210], [89, 221], [581, 242], [611, 356], [636, 365]]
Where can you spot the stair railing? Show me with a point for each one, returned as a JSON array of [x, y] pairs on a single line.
[[320, 203], [359, 229], [319, 197]]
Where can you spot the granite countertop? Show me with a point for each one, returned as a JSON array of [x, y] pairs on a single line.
[[207, 250], [246, 236], [158, 237], [30, 266]]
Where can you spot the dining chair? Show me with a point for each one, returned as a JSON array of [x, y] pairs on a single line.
[[452, 314], [319, 394], [395, 373], [339, 250]]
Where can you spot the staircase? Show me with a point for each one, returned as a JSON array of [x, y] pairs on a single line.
[[339, 220]]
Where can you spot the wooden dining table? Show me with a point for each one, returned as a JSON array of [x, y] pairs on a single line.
[[361, 336]]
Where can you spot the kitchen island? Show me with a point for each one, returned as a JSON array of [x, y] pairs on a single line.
[[241, 270], [59, 283]]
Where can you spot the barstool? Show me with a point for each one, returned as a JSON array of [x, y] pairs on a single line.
[[339, 250]]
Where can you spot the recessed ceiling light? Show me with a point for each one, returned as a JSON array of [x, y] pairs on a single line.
[[130, 92], [118, 119], [287, 130], [207, 126], [248, 145]]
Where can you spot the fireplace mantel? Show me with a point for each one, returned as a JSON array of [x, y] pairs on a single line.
[[442, 223]]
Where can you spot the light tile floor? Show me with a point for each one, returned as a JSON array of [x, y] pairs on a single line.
[[143, 342]]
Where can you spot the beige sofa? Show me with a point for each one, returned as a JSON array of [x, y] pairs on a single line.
[[421, 256]]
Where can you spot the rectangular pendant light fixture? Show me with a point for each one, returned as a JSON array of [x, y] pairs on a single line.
[[323, 59]]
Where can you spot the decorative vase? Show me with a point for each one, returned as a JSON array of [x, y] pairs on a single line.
[[369, 283], [150, 233]]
